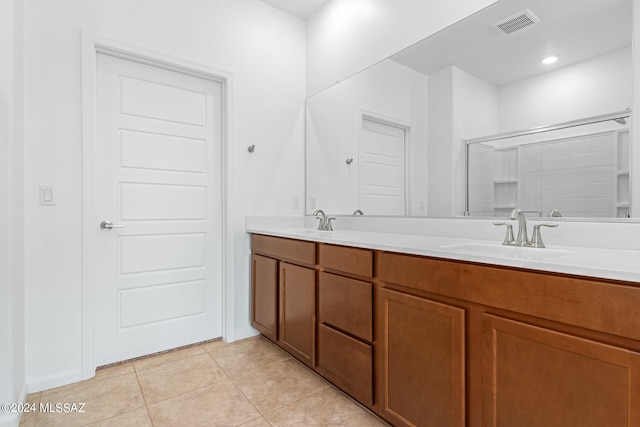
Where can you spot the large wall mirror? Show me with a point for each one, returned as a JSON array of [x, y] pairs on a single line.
[[453, 125]]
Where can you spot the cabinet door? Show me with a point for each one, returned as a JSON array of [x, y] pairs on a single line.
[[538, 377], [264, 302], [297, 312], [422, 361]]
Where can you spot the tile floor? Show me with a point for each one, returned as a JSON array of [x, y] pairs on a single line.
[[247, 383]]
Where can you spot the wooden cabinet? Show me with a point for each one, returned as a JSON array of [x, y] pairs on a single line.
[[422, 362], [432, 342], [297, 322], [534, 376], [283, 303], [541, 349]]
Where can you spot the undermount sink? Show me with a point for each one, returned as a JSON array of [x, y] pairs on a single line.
[[507, 251]]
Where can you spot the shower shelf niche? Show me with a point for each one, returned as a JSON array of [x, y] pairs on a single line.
[[622, 175]]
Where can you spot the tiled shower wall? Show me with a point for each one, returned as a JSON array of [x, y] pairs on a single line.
[[580, 176], [575, 176]]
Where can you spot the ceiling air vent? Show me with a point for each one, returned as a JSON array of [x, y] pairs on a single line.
[[517, 22]]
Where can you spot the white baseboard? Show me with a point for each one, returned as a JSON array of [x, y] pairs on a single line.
[[246, 333], [23, 393], [46, 382], [12, 419]]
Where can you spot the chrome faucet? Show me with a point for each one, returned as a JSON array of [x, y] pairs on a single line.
[[523, 236], [325, 223]]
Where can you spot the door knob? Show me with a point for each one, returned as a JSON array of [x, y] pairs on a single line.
[[108, 225]]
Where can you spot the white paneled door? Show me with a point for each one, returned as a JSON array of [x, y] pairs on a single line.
[[381, 179], [159, 268]]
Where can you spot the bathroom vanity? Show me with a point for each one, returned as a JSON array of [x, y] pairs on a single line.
[[429, 336]]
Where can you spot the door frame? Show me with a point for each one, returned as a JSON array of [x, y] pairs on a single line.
[[91, 45]]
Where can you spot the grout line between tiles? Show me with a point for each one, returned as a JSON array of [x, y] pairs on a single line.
[[255, 368], [186, 392], [144, 398], [329, 385], [115, 416], [296, 401], [250, 401]]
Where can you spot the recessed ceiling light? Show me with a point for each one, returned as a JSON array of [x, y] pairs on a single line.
[[549, 60]]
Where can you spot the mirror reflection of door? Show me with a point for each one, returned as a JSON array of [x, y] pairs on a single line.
[[381, 168]]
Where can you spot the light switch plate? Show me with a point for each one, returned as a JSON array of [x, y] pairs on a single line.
[[47, 196]]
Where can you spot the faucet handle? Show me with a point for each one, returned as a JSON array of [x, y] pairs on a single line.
[[536, 239], [329, 227], [508, 237]]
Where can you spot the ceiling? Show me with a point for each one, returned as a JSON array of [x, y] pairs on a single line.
[[575, 30], [300, 8]]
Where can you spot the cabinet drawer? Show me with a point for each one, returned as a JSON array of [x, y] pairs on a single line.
[[349, 260], [346, 362], [346, 304], [285, 249]]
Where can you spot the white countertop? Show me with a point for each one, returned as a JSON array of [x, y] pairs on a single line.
[[614, 264]]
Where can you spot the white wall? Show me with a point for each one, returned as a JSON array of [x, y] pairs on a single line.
[[12, 349], [387, 91], [598, 86], [461, 106], [475, 111], [262, 47], [439, 143], [346, 36]]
